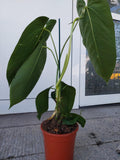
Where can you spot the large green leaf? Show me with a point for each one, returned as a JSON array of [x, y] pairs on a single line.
[[73, 118], [42, 102], [29, 40], [97, 29], [28, 74]]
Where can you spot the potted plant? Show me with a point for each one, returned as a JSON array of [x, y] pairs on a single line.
[[27, 63]]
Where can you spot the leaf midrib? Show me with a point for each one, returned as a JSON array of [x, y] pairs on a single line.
[[93, 34], [32, 71]]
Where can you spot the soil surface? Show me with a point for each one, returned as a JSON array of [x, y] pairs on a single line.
[[52, 126]]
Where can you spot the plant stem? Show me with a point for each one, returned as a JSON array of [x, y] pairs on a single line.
[[58, 84], [68, 54], [59, 47], [52, 43], [52, 54], [67, 39]]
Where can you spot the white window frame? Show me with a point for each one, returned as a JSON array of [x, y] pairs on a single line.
[[94, 99]]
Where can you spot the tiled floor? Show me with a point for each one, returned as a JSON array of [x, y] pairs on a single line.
[[21, 138]]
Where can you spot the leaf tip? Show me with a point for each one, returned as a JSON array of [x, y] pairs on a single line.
[[10, 106], [38, 116], [83, 123]]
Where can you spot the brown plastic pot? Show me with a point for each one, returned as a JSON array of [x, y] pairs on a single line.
[[59, 146]]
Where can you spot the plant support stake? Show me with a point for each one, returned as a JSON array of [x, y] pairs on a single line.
[[59, 45]]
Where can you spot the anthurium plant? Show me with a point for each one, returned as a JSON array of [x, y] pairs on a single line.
[[29, 57]]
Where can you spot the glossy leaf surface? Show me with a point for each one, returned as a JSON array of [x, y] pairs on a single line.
[[97, 29], [28, 59], [27, 76], [29, 40]]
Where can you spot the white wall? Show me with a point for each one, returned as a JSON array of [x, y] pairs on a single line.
[[14, 16]]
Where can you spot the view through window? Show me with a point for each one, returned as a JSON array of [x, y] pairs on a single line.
[[95, 85]]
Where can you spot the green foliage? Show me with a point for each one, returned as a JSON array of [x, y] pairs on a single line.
[[28, 42], [97, 29], [42, 102], [29, 57], [72, 118], [67, 98], [28, 75]]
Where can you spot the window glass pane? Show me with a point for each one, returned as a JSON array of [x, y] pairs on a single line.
[[95, 85], [115, 6]]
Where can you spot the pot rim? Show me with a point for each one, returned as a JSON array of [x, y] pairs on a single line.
[[60, 135]]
